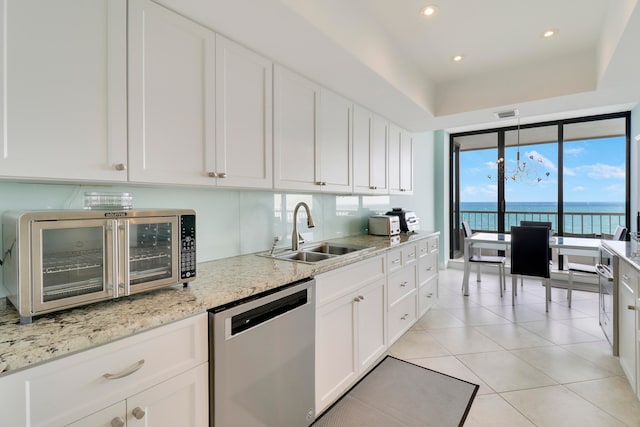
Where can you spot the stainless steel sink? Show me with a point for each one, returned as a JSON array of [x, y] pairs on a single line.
[[318, 252]]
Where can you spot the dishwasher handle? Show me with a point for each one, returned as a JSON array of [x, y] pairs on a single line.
[[256, 316]]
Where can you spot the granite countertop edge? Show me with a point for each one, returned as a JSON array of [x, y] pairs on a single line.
[[218, 282]]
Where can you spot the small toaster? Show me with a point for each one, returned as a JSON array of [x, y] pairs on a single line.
[[384, 225]]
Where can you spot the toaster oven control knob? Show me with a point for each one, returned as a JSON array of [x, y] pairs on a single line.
[[117, 422], [121, 167], [138, 412]]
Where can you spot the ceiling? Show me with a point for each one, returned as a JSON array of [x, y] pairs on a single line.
[[386, 56]]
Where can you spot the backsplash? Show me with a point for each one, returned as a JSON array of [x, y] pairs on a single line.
[[229, 222]]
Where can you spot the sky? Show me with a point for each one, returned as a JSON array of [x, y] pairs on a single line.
[[594, 171]]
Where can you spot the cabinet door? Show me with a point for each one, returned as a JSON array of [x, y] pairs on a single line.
[[627, 288], [180, 401], [171, 97], [371, 324], [295, 118], [64, 92], [336, 365], [335, 143], [112, 416], [362, 122], [406, 162], [379, 155], [243, 117], [394, 159]]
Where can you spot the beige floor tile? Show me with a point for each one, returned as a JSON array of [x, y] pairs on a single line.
[[561, 365], [589, 325], [557, 311], [417, 344], [511, 336], [613, 395], [473, 316], [598, 352], [558, 333], [558, 406], [502, 371], [518, 313], [450, 365], [464, 341], [493, 411], [436, 319]]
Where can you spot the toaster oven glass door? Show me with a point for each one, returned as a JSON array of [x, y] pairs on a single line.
[[72, 262], [151, 248]]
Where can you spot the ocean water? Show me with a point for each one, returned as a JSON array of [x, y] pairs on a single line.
[[585, 218]]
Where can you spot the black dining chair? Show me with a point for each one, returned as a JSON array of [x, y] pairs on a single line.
[[538, 224], [498, 261], [530, 257], [588, 269]]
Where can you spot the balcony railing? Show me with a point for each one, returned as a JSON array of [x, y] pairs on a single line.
[[579, 223]]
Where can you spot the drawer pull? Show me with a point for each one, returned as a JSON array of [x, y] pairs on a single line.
[[405, 316], [395, 261], [403, 284], [358, 298], [631, 307], [126, 372], [138, 412], [430, 295], [430, 268], [412, 255], [117, 422]]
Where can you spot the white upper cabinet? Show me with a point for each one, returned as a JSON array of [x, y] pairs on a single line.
[[312, 136], [295, 117], [369, 152], [243, 117], [63, 72], [400, 161], [335, 148], [171, 97]]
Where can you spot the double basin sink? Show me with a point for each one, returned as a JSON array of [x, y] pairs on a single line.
[[318, 252]]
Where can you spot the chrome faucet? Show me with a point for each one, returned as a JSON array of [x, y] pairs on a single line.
[[296, 239]]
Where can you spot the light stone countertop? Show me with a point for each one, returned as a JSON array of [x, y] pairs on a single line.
[[218, 282]]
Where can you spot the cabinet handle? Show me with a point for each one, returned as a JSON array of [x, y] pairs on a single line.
[[356, 299], [373, 187], [430, 268], [631, 307], [321, 183], [138, 412], [222, 175], [412, 255], [361, 297], [212, 175], [121, 167], [117, 422], [403, 284], [403, 189], [395, 261], [126, 372], [430, 295], [405, 316]]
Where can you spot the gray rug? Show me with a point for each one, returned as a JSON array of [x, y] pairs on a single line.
[[399, 393]]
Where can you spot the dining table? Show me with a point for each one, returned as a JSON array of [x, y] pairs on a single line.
[[577, 246]]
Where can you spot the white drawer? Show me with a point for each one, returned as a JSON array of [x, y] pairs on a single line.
[[433, 244], [400, 283], [409, 254], [341, 281], [61, 389], [402, 316], [428, 267], [427, 295], [394, 259]]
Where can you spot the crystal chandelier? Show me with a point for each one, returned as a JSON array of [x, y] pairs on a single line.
[[531, 170]]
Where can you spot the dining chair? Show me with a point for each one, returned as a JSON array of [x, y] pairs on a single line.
[[590, 270], [498, 261], [530, 257], [538, 224]]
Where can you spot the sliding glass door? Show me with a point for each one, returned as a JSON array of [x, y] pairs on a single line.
[[572, 173]]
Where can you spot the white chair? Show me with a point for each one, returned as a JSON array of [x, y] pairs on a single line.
[[619, 234], [489, 260]]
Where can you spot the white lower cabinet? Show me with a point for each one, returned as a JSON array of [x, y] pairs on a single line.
[[350, 326], [627, 326], [146, 379]]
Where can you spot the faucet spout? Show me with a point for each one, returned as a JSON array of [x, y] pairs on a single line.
[[296, 239]]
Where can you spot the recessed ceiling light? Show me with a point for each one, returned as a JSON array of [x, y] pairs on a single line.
[[430, 10], [550, 33], [457, 58]]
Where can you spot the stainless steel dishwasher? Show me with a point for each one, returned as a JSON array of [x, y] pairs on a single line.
[[262, 356]]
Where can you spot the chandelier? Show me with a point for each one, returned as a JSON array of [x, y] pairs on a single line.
[[531, 170]]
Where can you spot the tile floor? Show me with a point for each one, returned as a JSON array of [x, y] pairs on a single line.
[[533, 368]]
